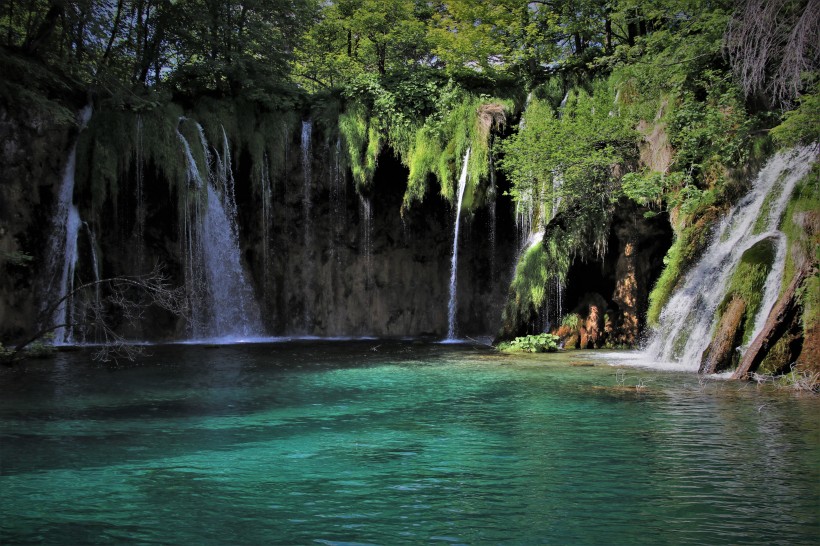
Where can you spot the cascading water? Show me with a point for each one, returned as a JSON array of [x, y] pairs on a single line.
[[62, 248], [688, 320], [493, 227], [139, 224], [223, 304], [338, 228], [307, 205], [95, 263], [452, 305], [366, 212], [266, 188]]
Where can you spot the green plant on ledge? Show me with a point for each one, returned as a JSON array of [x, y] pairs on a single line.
[[538, 343]]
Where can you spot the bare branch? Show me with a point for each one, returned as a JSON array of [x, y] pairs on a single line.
[[127, 297], [772, 44]]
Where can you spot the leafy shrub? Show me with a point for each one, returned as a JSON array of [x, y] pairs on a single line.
[[571, 321], [538, 343]]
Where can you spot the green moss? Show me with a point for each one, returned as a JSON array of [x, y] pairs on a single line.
[[684, 251], [801, 225], [777, 357], [571, 321], [362, 142], [438, 145], [748, 280], [571, 237]]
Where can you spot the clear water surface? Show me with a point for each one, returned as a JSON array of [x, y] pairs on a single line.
[[405, 442]]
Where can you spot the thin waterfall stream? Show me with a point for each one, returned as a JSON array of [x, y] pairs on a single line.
[[62, 254], [453, 303]]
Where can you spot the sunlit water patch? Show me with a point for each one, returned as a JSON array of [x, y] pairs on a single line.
[[398, 442]]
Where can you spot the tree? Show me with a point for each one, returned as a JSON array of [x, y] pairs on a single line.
[[127, 296], [774, 47]]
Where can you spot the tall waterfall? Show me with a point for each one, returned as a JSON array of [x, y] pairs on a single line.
[[452, 305], [307, 205], [266, 189], [688, 320], [222, 299], [493, 223], [139, 224], [61, 258]]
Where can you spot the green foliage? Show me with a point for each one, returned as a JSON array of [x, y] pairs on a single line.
[[538, 343], [801, 125], [652, 188], [430, 134], [571, 321], [362, 142], [748, 280], [15, 257], [685, 250], [714, 130], [572, 236], [569, 154], [801, 225]]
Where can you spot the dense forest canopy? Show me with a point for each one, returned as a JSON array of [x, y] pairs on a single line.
[[700, 77]]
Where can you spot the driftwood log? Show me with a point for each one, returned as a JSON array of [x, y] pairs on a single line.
[[776, 325], [718, 355]]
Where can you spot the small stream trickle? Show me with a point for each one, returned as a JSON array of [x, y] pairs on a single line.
[[452, 306]]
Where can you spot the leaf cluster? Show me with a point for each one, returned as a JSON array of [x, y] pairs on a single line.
[[538, 343]]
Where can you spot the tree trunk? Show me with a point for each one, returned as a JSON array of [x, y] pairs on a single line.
[[776, 324], [46, 28], [114, 31], [718, 355]]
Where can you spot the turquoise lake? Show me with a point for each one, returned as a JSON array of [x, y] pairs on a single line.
[[398, 442]]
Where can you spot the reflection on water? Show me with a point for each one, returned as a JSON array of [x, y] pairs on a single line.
[[398, 442]]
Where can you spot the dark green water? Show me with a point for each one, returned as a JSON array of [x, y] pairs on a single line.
[[410, 443]]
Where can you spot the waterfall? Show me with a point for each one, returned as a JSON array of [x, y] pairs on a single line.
[[61, 257], [139, 224], [452, 305], [307, 130], [366, 214], [266, 188], [562, 105], [333, 275], [223, 304], [493, 227], [689, 318], [307, 205], [95, 263]]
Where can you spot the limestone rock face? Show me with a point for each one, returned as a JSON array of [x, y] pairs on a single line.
[[32, 156], [345, 265], [366, 270]]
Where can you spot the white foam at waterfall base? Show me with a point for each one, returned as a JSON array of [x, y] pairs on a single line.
[[689, 318], [452, 305]]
